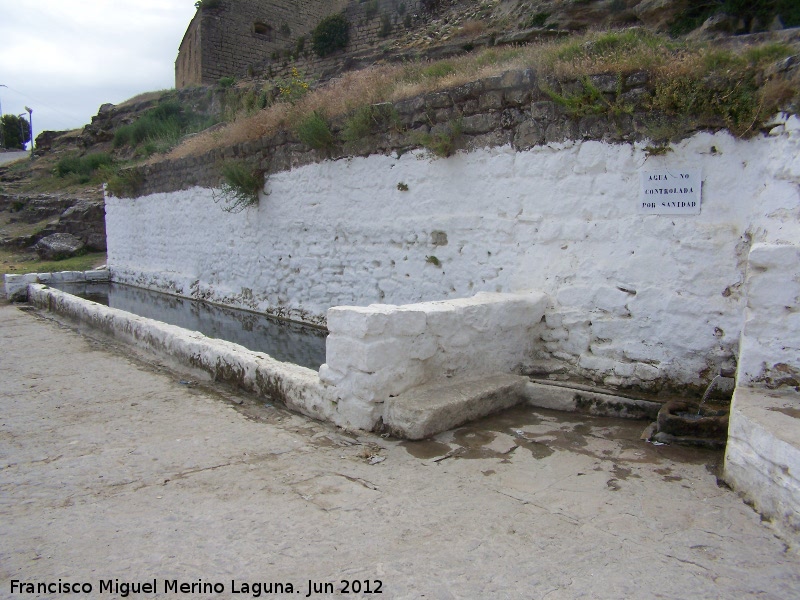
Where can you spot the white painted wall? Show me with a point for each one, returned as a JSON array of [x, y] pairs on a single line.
[[380, 351], [770, 347], [639, 299]]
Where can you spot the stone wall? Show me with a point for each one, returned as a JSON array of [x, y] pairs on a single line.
[[377, 352], [770, 346], [639, 300], [243, 37]]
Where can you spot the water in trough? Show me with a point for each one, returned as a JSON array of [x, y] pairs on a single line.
[[286, 341]]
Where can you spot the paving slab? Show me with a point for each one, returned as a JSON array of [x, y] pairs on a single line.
[[116, 468]]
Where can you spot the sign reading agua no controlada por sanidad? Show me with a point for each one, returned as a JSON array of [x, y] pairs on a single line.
[[670, 191]]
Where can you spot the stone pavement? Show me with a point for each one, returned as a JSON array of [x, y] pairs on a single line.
[[113, 472]]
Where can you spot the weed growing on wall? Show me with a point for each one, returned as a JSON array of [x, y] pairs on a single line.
[[124, 183], [331, 35], [590, 100], [441, 143], [727, 89], [207, 4], [367, 121], [240, 187], [292, 89], [315, 132]]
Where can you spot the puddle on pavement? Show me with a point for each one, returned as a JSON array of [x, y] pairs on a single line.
[[542, 432], [283, 340], [789, 412]]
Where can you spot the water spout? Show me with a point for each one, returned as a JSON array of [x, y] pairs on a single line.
[[708, 392]]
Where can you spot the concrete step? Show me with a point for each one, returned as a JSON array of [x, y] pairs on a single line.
[[430, 409], [762, 459]]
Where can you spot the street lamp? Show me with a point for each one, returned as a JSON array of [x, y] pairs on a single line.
[[30, 122]]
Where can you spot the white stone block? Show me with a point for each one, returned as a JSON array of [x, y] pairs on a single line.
[[344, 353], [407, 321], [359, 321], [380, 385], [330, 376]]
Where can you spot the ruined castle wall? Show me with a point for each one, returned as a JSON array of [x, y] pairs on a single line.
[[188, 66], [247, 37]]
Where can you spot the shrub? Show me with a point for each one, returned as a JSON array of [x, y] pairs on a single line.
[[240, 187], [315, 132], [200, 4], [386, 26], [294, 88], [160, 127], [84, 167], [368, 120], [226, 82], [537, 20], [590, 100], [437, 70], [125, 183], [330, 35]]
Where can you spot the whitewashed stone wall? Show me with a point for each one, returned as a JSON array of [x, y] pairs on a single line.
[[770, 346], [638, 299], [383, 350]]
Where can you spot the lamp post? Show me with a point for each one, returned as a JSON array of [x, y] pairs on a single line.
[[30, 122]]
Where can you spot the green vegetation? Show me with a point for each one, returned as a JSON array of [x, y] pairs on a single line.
[[85, 168], [15, 264], [441, 143], [438, 70], [207, 4], [124, 183], [240, 187], [331, 35], [16, 132], [725, 88], [754, 15], [315, 132], [226, 82], [292, 89], [371, 9], [160, 128], [386, 26], [537, 20], [432, 260], [590, 100], [368, 120]]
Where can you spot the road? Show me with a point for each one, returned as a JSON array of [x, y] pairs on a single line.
[[115, 471], [11, 156]]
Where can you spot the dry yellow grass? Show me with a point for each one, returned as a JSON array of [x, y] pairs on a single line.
[[620, 52]]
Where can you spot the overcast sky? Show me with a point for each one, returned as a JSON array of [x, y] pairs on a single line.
[[64, 58]]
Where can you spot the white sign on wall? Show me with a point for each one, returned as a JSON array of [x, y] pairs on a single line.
[[670, 191]]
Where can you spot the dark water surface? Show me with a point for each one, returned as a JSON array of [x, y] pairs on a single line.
[[283, 340]]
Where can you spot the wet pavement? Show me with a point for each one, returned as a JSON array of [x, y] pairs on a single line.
[[112, 469]]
